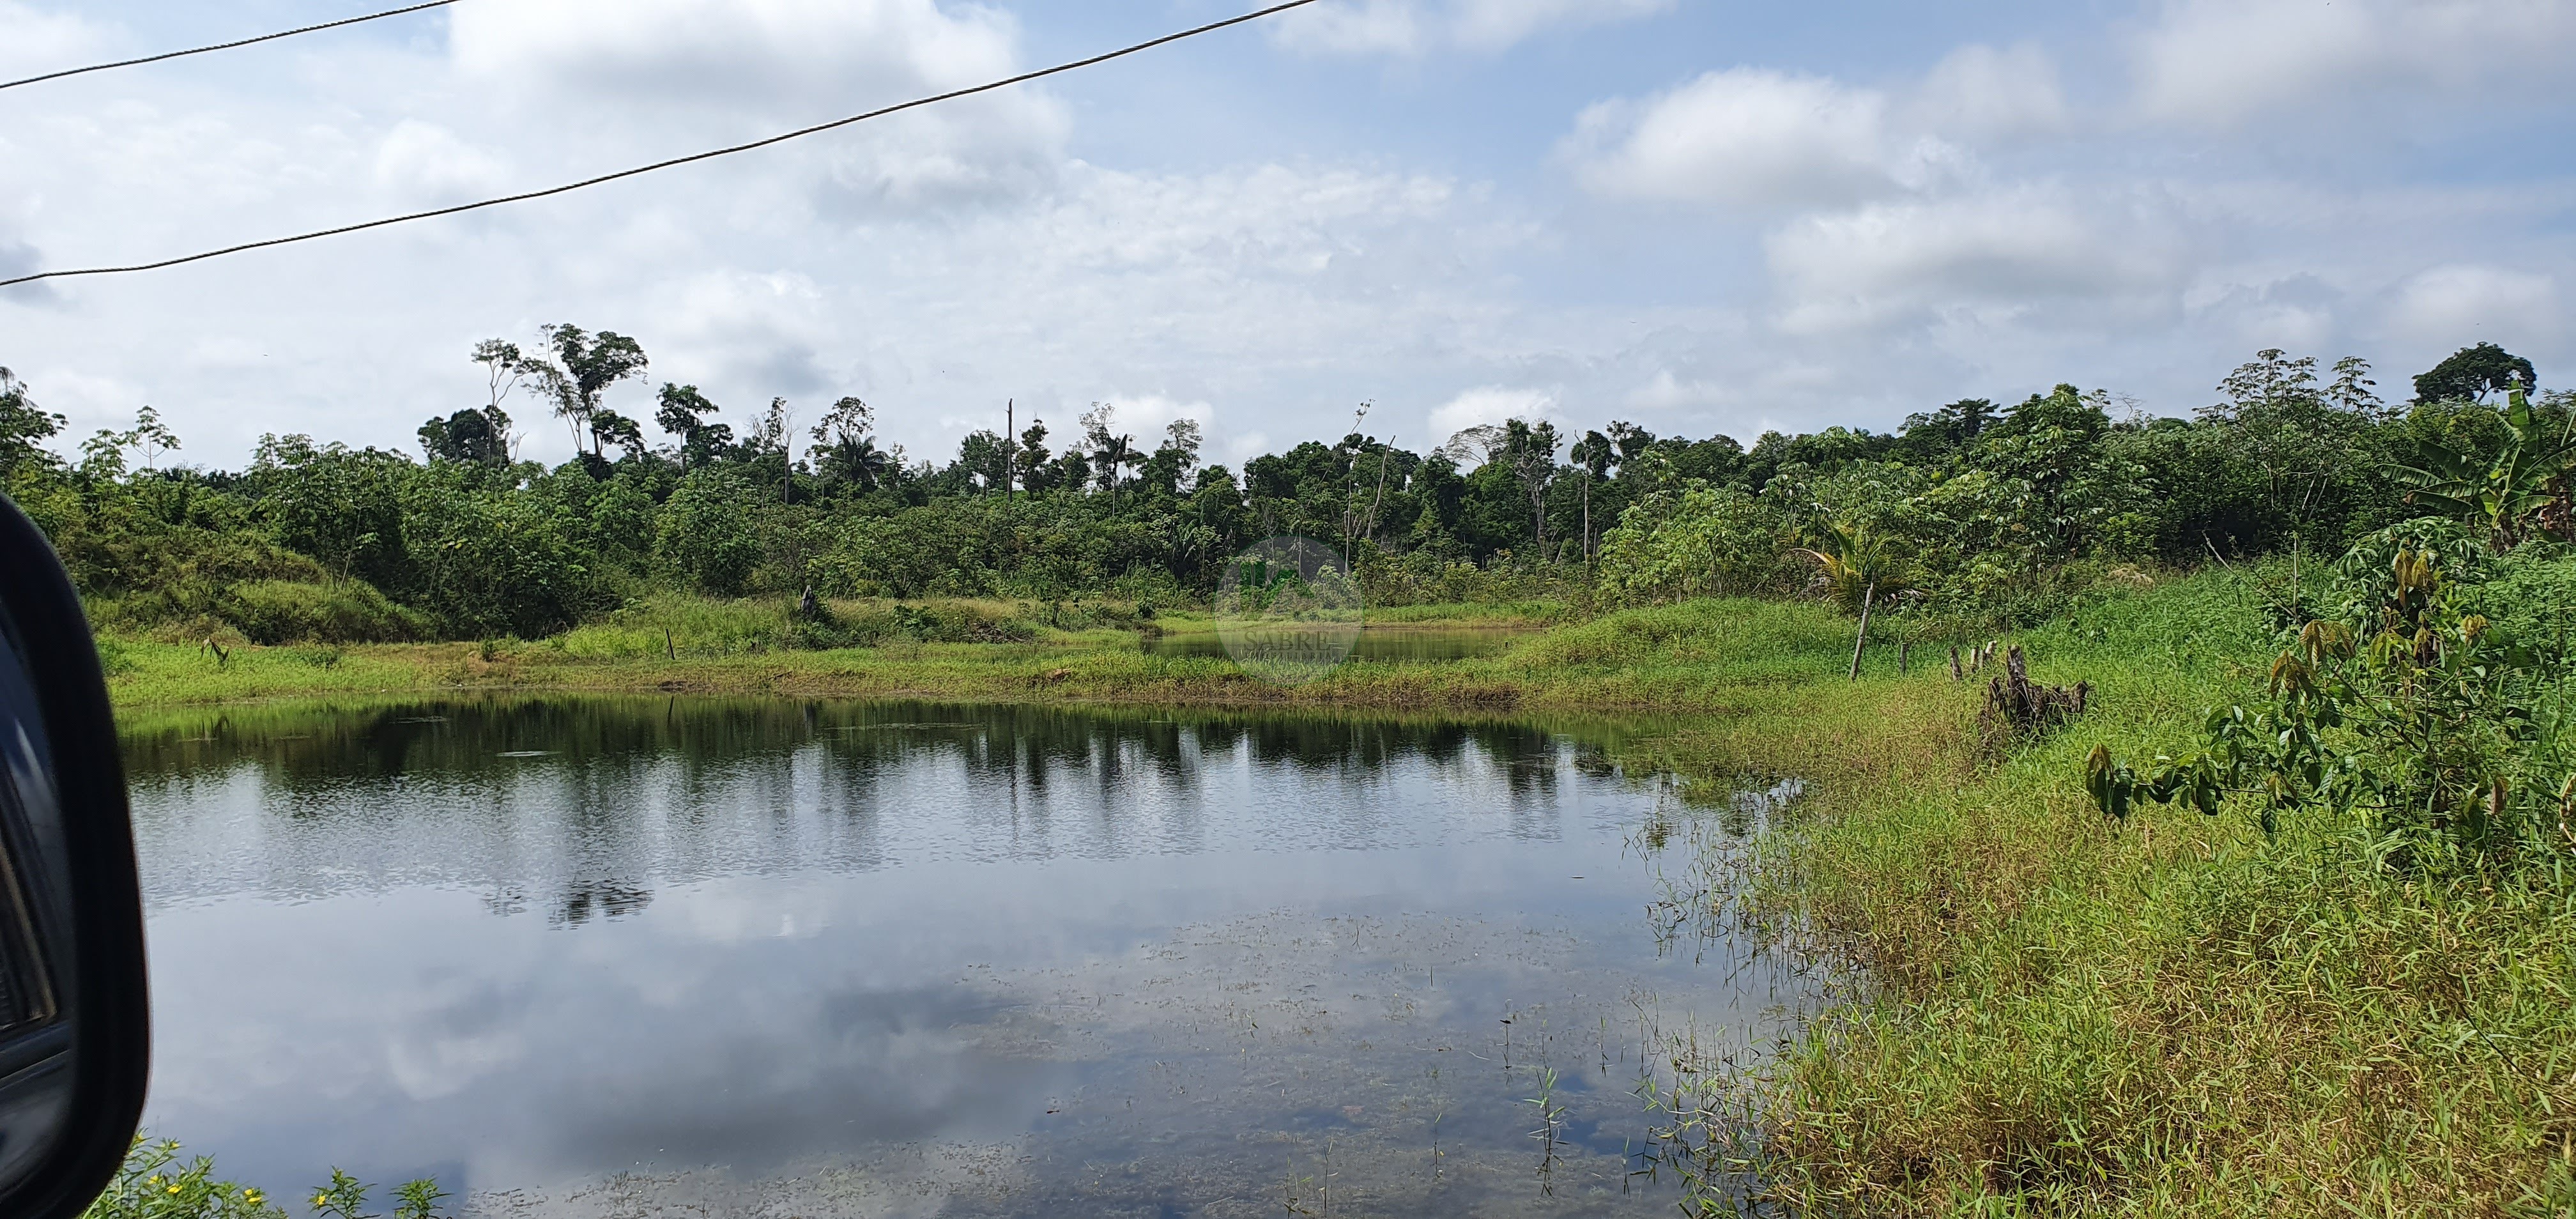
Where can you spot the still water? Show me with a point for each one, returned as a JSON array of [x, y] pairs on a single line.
[[637, 957]]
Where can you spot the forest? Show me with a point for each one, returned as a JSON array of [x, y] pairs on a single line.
[[1972, 512]]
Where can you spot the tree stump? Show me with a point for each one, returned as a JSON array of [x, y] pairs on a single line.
[[2015, 706]]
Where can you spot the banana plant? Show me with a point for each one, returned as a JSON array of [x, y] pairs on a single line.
[[2510, 495]]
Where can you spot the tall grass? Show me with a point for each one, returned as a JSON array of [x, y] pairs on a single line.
[[2179, 1016]]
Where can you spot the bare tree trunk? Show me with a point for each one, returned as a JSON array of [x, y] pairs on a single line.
[[1868, 597], [1587, 520], [1379, 500]]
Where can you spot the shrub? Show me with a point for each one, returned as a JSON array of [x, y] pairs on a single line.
[[154, 1184], [704, 536], [1704, 541]]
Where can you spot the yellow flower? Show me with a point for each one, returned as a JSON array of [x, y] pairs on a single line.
[[319, 1199], [174, 1189]]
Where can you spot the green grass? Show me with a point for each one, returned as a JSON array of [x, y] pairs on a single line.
[[2173, 1017], [1708, 657]]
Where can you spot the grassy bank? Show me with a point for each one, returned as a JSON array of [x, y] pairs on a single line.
[[2175, 1016], [1706, 657]]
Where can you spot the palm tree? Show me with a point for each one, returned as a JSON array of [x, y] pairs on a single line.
[[1857, 572], [860, 461], [1855, 566]]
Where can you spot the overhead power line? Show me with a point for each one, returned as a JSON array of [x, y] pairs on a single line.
[[674, 162], [226, 46]]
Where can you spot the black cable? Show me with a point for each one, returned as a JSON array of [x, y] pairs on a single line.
[[226, 46], [675, 161]]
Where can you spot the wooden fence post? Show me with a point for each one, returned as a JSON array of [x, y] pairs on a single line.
[[1868, 596]]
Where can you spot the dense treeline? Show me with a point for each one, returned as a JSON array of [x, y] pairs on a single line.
[[1973, 510]]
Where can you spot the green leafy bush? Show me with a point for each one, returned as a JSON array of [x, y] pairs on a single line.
[[2437, 731], [705, 537], [1702, 541]]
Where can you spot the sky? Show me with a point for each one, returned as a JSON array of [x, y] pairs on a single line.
[[1702, 216]]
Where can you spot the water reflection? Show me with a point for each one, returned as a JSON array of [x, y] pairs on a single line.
[[611, 953]]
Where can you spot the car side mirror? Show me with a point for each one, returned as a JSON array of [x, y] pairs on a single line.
[[75, 1033]]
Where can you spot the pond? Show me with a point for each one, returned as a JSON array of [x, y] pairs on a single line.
[[652, 956]]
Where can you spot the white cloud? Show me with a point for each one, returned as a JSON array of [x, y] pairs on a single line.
[[2459, 304], [1490, 404], [2224, 61], [1367, 27], [730, 52], [705, 71], [1980, 90], [1245, 446], [1746, 136], [1419, 27], [1495, 24], [1990, 255], [1666, 392], [759, 328], [34, 41], [423, 163]]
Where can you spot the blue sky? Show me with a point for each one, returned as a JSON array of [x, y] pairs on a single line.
[[1696, 215]]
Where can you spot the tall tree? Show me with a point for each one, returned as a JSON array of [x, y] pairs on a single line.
[[1032, 456], [845, 448], [23, 427], [773, 435], [1531, 450], [1593, 455], [2473, 374], [583, 368], [1174, 459], [683, 414], [1944, 431], [1111, 451], [984, 456], [505, 369], [608, 427], [477, 437]]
